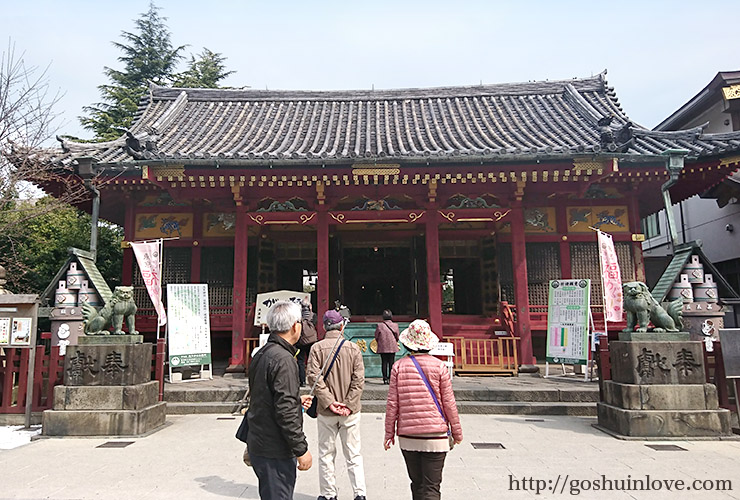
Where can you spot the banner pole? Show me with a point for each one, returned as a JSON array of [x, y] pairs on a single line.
[[161, 248]]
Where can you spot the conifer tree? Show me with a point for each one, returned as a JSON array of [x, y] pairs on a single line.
[[148, 56], [204, 72]]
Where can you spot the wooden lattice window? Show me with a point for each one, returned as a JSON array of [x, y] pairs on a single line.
[[543, 265], [175, 269], [217, 270], [584, 259]]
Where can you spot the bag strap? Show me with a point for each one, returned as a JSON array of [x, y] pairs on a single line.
[[426, 381], [326, 374]]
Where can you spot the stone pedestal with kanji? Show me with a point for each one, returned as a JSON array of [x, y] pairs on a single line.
[[107, 391], [658, 390]]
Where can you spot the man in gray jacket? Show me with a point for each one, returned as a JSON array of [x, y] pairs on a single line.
[[276, 441], [338, 406]]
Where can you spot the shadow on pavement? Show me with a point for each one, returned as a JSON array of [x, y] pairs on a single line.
[[228, 488]]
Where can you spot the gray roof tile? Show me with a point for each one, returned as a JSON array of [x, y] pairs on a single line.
[[559, 118]]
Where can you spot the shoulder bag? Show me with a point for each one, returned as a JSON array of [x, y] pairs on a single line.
[[436, 402], [243, 431]]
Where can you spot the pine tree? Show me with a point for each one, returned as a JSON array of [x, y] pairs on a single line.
[[148, 56], [204, 72]]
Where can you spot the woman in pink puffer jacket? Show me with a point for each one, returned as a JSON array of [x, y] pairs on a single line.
[[412, 414]]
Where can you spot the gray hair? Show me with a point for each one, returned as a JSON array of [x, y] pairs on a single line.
[[328, 326], [282, 316]]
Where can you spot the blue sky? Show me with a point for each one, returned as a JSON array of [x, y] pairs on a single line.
[[658, 53]]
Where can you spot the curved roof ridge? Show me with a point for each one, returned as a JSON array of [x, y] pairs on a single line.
[[521, 88], [723, 136], [81, 146], [691, 133]]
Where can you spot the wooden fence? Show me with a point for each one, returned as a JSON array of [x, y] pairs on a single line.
[[497, 356], [48, 373]]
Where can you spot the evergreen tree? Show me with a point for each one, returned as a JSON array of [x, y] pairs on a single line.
[[204, 72], [148, 56], [37, 247]]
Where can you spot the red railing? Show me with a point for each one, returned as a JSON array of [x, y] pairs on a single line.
[[48, 373], [714, 368], [14, 377], [496, 356]]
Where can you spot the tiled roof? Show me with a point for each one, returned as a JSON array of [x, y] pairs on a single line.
[[493, 122]]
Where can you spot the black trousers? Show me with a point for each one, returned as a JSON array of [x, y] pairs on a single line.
[[425, 472], [302, 358], [276, 477], [387, 359]]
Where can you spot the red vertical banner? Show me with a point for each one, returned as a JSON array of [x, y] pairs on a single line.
[[148, 256], [611, 278]]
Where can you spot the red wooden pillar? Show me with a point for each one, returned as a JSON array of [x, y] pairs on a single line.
[[434, 286], [566, 269], [129, 225], [521, 288], [636, 228], [195, 253], [239, 311], [322, 263]]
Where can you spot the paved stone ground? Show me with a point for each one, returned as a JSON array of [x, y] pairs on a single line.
[[197, 457]]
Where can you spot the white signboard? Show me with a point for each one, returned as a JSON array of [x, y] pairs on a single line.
[[189, 325], [265, 300], [20, 335], [567, 321], [4, 331]]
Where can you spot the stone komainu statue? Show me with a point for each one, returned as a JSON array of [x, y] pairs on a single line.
[[642, 309], [121, 306]]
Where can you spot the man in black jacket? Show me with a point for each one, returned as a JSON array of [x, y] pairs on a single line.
[[276, 440]]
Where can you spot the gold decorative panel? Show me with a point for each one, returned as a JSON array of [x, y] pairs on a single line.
[[219, 224], [610, 219], [163, 225], [539, 220], [731, 92]]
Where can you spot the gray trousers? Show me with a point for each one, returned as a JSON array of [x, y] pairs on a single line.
[[276, 477]]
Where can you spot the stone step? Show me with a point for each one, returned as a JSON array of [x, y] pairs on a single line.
[[204, 395], [549, 395], [190, 408], [465, 407]]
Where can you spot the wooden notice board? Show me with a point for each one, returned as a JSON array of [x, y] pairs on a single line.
[[729, 339]]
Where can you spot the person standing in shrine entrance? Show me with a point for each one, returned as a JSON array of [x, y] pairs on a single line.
[[386, 335]]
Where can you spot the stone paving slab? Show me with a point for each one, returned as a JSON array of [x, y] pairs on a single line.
[[197, 457]]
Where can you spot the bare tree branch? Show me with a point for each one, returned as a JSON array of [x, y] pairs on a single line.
[[27, 164]]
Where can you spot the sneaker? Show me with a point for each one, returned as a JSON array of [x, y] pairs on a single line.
[[322, 497], [360, 497]]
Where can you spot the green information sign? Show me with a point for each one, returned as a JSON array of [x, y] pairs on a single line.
[[188, 325], [567, 321]]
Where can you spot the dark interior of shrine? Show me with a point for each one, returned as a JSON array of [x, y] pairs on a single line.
[[378, 278]]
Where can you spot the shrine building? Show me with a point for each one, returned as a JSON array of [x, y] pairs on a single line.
[[455, 204]]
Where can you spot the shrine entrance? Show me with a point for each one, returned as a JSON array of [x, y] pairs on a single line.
[[378, 277]]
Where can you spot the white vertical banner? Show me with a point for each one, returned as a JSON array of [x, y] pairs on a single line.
[[149, 257], [611, 278]]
